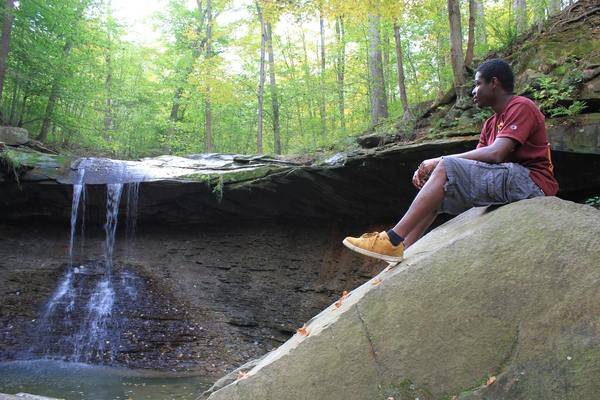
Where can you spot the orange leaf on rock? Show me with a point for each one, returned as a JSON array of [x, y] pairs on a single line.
[[302, 331], [376, 281], [338, 303], [490, 381]]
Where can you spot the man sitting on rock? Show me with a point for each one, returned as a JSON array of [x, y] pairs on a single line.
[[511, 162]]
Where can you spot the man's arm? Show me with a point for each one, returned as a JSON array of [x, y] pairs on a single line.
[[496, 153]]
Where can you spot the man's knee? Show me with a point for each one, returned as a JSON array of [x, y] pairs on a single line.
[[440, 170]]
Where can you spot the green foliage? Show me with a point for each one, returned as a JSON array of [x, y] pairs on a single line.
[[11, 163], [218, 188], [594, 202], [481, 115], [116, 97], [551, 93]]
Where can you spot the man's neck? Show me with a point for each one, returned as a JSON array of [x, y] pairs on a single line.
[[501, 103]]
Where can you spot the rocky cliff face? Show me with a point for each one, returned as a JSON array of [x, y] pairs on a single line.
[[495, 304], [209, 298]]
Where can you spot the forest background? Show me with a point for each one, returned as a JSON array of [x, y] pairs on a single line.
[[277, 77]]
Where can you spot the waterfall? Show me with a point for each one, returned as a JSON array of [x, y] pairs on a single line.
[[80, 321], [113, 198], [77, 189], [94, 337]]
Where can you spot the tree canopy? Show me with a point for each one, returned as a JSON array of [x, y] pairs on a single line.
[[71, 74]]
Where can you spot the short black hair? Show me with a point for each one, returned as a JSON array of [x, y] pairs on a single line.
[[501, 70]]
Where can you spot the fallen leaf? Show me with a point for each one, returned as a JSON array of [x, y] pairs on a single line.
[[242, 375], [490, 381], [338, 303], [302, 331], [376, 281]]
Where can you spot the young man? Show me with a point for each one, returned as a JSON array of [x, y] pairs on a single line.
[[511, 162]]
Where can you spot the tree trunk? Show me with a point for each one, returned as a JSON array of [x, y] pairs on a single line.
[[387, 76], [456, 53], [23, 110], [322, 77], [174, 116], [553, 7], [7, 22], [208, 134], [261, 81], [307, 83], [400, 72], [274, 100], [109, 72], [13, 103], [53, 96], [378, 98], [341, 67], [471, 34], [520, 12], [480, 32]]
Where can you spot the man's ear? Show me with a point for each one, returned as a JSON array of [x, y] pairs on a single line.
[[495, 82]]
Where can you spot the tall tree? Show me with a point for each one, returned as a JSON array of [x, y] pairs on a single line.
[[7, 22], [274, 99], [553, 7], [400, 72], [322, 75], [456, 53], [520, 12], [197, 50], [208, 134], [340, 68], [471, 34], [108, 82], [261, 80], [379, 108], [53, 95], [480, 31]]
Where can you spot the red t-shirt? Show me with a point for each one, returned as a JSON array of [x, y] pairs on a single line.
[[523, 122]]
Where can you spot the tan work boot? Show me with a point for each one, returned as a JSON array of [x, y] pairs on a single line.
[[377, 245]]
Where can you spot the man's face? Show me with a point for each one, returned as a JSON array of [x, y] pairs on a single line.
[[484, 92]]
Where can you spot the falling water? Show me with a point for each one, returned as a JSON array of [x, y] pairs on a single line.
[[77, 189], [113, 198], [70, 326], [94, 336]]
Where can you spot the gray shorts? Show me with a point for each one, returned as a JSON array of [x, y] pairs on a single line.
[[475, 183]]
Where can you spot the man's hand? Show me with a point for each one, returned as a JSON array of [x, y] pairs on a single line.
[[424, 171]]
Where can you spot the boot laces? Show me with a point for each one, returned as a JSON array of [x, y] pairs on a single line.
[[370, 234]]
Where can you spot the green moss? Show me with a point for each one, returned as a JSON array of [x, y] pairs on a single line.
[[234, 176], [9, 159]]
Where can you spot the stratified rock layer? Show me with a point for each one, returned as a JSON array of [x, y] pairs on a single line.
[[510, 292]]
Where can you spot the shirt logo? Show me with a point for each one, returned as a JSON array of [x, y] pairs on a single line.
[[513, 127]]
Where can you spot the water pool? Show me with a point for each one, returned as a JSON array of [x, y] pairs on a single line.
[[74, 381]]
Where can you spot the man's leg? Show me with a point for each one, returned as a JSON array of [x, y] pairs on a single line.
[[424, 207], [418, 231], [417, 219]]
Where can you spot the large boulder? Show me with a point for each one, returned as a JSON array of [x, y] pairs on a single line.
[[13, 136], [496, 304]]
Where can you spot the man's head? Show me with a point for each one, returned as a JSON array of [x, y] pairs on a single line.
[[493, 80]]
